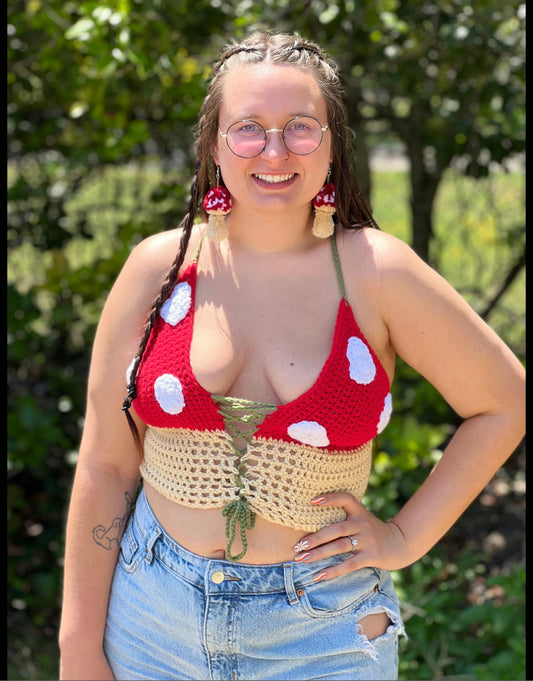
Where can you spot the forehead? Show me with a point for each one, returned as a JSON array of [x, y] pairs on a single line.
[[270, 90]]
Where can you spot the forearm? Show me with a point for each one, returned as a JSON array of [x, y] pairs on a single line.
[[478, 448], [100, 504]]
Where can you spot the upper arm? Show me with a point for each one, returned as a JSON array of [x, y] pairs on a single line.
[[433, 329], [107, 441]]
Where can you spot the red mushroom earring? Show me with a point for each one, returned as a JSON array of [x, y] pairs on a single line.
[[217, 204], [324, 204]]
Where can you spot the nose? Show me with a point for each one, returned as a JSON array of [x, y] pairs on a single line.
[[274, 144]]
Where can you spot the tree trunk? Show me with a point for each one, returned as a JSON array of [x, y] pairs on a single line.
[[356, 123], [425, 176], [423, 190]]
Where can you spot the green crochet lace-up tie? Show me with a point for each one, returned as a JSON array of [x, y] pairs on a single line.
[[242, 418]]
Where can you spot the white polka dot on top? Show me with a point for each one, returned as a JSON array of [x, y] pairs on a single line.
[[362, 367], [309, 433], [177, 304], [169, 394]]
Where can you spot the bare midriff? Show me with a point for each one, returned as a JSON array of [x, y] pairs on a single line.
[[202, 531]]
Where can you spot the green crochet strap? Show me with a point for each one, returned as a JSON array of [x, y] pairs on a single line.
[[199, 248], [337, 263], [238, 511], [236, 413]]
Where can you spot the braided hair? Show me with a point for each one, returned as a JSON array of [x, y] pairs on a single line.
[[352, 212]]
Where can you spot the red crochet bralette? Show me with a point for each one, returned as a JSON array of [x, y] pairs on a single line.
[[348, 405]]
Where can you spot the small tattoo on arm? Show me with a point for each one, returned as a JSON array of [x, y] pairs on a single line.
[[106, 537]]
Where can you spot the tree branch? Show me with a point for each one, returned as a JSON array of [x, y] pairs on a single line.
[[511, 276]]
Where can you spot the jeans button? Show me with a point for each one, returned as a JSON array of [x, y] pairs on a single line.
[[217, 577]]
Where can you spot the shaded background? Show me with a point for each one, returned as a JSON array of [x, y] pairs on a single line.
[[102, 97]]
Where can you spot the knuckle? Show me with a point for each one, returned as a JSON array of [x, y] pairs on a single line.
[[343, 568], [345, 527]]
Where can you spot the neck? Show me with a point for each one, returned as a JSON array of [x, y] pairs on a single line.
[[270, 234]]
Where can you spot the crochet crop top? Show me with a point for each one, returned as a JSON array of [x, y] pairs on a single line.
[[209, 451]]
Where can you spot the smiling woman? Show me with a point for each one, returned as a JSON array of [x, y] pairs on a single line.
[[255, 392], [275, 160]]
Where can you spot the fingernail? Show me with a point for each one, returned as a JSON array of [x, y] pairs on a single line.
[[302, 556], [301, 546], [318, 501], [320, 577]]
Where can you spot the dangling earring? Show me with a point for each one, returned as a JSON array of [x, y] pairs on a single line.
[[217, 204], [324, 204]]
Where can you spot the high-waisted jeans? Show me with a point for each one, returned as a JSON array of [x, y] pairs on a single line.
[[176, 615]]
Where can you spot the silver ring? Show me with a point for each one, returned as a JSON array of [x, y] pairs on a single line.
[[355, 543]]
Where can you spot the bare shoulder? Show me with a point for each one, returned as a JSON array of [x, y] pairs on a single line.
[[122, 325], [389, 271], [150, 261], [374, 264], [155, 254], [375, 251], [398, 282]]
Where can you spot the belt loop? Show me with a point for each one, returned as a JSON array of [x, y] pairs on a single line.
[[156, 532], [289, 583]]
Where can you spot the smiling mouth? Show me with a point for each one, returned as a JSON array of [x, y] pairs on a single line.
[[275, 179]]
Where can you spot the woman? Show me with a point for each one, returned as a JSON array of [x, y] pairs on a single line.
[[254, 394]]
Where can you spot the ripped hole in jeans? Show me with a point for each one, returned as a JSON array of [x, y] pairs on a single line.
[[375, 625]]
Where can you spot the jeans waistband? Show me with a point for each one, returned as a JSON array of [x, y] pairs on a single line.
[[222, 576]]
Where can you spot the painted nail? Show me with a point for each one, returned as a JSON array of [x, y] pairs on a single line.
[[301, 546], [302, 556], [320, 577], [318, 501]]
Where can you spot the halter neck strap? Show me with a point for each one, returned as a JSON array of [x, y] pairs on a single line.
[[199, 247], [337, 263]]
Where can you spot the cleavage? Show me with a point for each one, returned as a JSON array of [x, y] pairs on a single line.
[[268, 358]]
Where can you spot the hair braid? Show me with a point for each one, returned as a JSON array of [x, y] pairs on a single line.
[[166, 288], [229, 52]]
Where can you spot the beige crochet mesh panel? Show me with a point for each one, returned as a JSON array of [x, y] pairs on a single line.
[[197, 469], [282, 478], [190, 467]]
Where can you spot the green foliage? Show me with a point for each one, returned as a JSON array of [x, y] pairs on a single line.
[[461, 623], [101, 82]]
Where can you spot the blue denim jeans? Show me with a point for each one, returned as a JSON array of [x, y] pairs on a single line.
[[176, 615]]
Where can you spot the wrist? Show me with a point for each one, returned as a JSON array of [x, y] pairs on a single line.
[[73, 643], [393, 522]]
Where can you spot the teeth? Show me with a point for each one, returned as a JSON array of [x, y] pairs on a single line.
[[275, 178]]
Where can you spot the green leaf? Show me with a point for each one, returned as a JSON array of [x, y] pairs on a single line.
[[80, 29]]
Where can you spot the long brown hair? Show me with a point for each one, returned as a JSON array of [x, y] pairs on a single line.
[[352, 211]]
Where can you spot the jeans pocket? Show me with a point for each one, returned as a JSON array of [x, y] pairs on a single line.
[[130, 553], [339, 596]]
